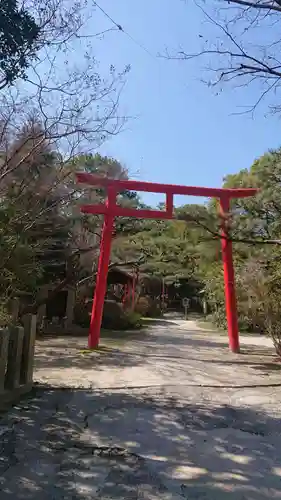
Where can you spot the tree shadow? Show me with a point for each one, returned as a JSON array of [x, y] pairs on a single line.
[[177, 340], [83, 334], [71, 352], [158, 322], [65, 352], [267, 367], [82, 445], [254, 364], [59, 352], [56, 357]]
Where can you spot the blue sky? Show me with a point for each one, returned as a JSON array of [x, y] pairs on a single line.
[[180, 131]]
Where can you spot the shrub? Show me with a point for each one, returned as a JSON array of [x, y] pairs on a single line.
[[272, 322], [142, 306], [154, 309], [133, 320], [81, 313], [148, 307], [217, 317], [113, 315], [115, 318]]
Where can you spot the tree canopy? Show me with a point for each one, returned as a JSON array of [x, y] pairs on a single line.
[[19, 34]]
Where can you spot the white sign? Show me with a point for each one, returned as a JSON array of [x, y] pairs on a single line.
[[185, 302]]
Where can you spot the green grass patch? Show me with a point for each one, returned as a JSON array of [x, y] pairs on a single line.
[[117, 338], [206, 324]]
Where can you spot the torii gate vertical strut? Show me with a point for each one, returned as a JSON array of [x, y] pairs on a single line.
[[111, 209]]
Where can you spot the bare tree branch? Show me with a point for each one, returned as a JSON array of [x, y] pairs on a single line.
[[258, 5], [243, 48], [216, 234]]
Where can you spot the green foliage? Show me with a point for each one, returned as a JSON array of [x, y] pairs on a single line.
[[142, 306], [34, 231], [258, 269], [116, 318], [19, 34], [19, 270], [165, 246], [101, 165], [105, 166], [34, 190], [148, 307], [132, 321]]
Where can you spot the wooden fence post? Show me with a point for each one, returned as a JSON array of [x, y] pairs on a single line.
[[71, 296], [14, 357], [4, 344], [15, 306], [27, 362]]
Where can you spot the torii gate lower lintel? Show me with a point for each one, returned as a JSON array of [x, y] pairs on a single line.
[[110, 210]]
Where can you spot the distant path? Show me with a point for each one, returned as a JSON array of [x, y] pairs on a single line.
[[170, 414]]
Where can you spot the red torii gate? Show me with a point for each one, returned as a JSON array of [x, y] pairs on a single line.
[[110, 210]]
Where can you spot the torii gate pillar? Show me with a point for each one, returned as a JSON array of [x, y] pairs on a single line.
[[110, 210], [229, 281]]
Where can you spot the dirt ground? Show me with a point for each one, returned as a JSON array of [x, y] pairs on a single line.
[[169, 414]]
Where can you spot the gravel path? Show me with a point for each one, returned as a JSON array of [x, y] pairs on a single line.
[[171, 414]]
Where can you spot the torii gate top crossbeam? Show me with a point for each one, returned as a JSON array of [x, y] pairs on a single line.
[[151, 187]]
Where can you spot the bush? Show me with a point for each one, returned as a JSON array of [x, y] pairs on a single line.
[[115, 318], [113, 315], [134, 319], [154, 309], [217, 319], [148, 307], [81, 313], [142, 306], [273, 323]]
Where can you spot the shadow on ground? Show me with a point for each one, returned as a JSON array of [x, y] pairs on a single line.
[[159, 322], [55, 357], [72, 352], [135, 348], [53, 351], [81, 445]]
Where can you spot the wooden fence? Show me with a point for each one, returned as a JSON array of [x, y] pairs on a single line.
[[16, 360]]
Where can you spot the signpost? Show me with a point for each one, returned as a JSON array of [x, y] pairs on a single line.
[[185, 303]]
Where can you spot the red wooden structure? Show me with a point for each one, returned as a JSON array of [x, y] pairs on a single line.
[[111, 209]]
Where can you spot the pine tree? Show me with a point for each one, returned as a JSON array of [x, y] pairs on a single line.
[[35, 197]]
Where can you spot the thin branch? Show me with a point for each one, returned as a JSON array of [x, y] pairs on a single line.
[[218, 235], [256, 5]]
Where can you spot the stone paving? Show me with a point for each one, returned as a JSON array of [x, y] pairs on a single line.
[[171, 414]]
